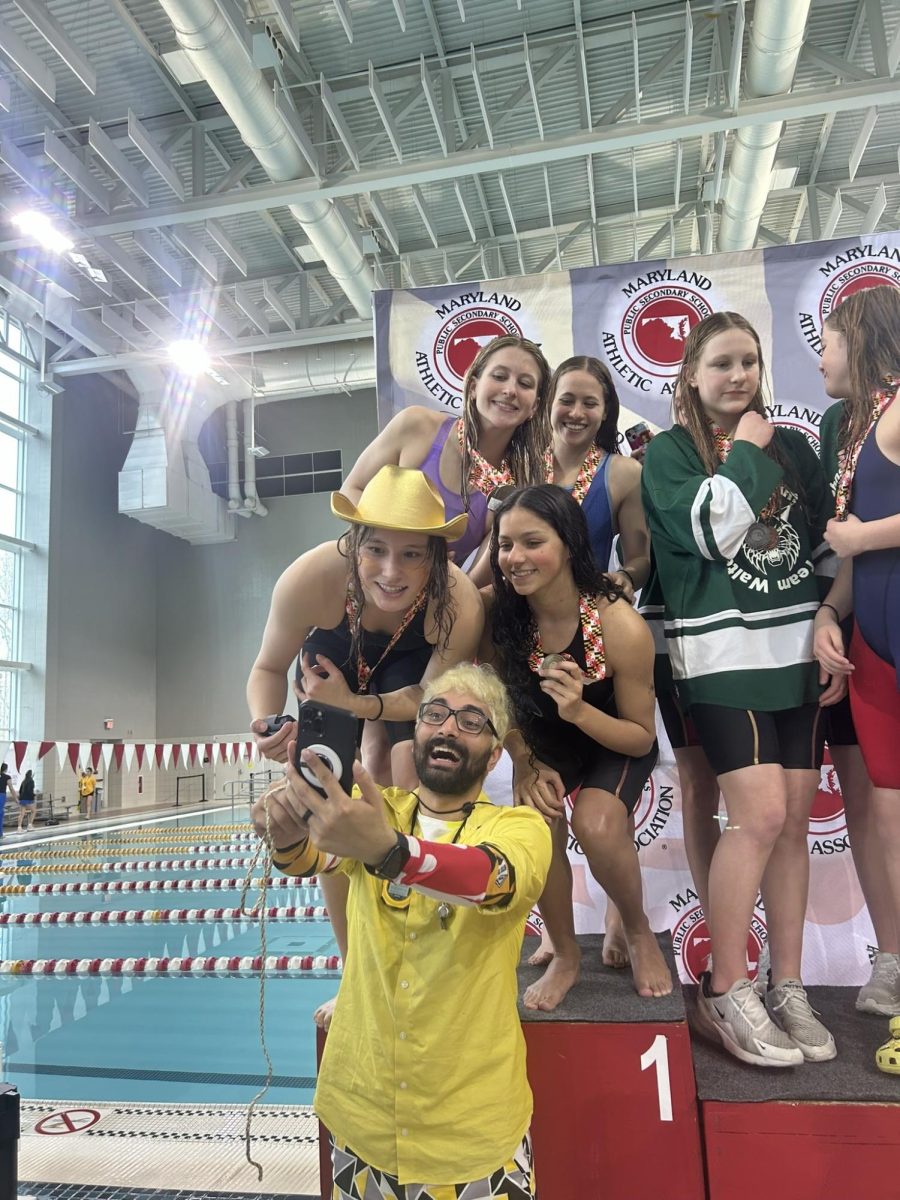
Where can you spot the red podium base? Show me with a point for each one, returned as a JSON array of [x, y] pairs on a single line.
[[615, 1104], [821, 1129]]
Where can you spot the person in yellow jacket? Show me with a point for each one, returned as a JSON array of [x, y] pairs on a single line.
[[87, 786]]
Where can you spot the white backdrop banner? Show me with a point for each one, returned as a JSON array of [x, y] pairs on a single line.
[[636, 317]]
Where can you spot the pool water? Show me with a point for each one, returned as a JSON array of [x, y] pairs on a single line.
[[188, 1039]]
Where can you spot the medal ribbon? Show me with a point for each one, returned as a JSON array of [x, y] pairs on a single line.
[[849, 457], [364, 672], [483, 476], [592, 634], [586, 473], [724, 443]]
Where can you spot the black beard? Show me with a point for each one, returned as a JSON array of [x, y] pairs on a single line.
[[449, 782]]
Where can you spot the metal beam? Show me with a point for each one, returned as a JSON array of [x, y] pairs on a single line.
[[154, 157], [661, 131], [384, 111], [433, 107], [27, 61], [862, 141], [482, 100], [338, 121], [72, 166], [103, 146], [877, 36], [56, 38], [230, 348], [834, 64], [226, 245], [156, 251]]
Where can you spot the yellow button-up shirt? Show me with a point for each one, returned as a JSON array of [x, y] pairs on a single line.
[[423, 1073]]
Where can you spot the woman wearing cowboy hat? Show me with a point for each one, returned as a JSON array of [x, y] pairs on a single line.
[[373, 616]]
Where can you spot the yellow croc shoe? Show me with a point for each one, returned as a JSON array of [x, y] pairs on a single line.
[[887, 1057]]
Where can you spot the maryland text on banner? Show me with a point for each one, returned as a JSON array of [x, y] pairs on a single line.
[[636, 317]]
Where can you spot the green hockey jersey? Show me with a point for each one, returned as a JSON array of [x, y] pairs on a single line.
[[829, 427], [738, 621]]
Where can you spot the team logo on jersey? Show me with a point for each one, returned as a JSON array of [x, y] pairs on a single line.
[[692, 944], [652, 812], [828, 821], [851, 270], [467, 323], [661, 309]]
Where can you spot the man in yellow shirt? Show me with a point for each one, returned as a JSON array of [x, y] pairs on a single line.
[[422, 1083]]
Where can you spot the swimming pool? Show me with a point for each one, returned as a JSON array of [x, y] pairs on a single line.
[[97, 1031]]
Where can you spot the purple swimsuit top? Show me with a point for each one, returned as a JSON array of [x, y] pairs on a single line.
[[453, 505]]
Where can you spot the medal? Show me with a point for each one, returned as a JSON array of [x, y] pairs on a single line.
[[553, 660], [761, 537]]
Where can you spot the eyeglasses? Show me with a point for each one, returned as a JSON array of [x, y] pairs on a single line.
[[468, 720]]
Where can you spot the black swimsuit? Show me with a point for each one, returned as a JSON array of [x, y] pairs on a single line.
[[580, 760], [404, 665]]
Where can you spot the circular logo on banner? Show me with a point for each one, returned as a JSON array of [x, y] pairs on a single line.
[[850, 270], [856, 278], [656, 325], [463, 336], [652, 812], [692, 945], [465, 324]]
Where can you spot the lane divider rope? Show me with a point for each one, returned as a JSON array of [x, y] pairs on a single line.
[[24, 854], [162, 916], [149, 864], [202, 965], [143, 885]]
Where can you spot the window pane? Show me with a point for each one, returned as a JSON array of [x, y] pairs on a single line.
[[9, 460], [7, 686], [8, 512], [7, 578], [9, 388], [7, 638]]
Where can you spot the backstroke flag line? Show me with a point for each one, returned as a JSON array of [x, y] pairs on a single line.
[[636, 317]]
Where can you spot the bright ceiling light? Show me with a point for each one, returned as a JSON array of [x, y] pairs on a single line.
[[189, 357], [39, 226]]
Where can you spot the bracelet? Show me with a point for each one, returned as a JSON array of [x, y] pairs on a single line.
[[622, 571], [377, 717], [833, 609]]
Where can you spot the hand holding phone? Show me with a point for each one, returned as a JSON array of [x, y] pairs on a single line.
[[638, 438], [331, 733]]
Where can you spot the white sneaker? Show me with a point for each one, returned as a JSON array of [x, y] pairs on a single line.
[[788, 1004], [882, 993], [740, 1021]]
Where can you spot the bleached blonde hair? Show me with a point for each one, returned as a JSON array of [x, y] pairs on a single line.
[[483, 684]]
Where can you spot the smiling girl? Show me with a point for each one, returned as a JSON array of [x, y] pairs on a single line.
[[499, 439], [578, 662], [736, 510]]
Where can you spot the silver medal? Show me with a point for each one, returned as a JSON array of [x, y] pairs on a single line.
[[758, 537]]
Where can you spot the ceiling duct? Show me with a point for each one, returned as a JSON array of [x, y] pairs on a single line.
[[164, 481], [315, 370], [206, 38], [776, 39]]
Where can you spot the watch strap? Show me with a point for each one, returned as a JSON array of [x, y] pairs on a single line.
[[393, 862]]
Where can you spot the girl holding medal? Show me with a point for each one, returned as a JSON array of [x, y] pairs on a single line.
[[373, 617], [736, 509], [861, 366], [578, 662], [584, 459]]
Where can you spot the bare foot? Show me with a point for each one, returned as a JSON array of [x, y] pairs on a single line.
[[651, 975], [544, 952], [550, 990], [615, 944], [323, 1014]]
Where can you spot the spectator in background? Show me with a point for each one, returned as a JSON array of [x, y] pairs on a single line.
[[26, 802], [6, 787], [87, 785]]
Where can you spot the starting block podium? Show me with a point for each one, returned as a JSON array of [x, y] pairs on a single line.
[[801, 1133], [615, 1104]]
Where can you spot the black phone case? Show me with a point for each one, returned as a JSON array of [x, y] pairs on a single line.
[[331, 732]]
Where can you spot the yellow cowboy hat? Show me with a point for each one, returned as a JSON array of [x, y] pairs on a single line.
[[400, 498]]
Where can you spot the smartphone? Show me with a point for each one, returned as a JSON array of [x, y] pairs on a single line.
[[331, 733], [638, 436]]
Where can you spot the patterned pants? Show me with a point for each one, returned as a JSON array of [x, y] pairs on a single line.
[[356, 1180]]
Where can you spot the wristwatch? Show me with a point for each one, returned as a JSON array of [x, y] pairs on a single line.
[[393, 862]]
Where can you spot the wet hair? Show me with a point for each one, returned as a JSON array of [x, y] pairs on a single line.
[[480, 682], [525, 452], [869, 321], [607, 435], [437, 586], [512, 621], [689, 411]]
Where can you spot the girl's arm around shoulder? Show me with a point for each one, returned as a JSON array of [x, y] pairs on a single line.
[[404, 442]]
